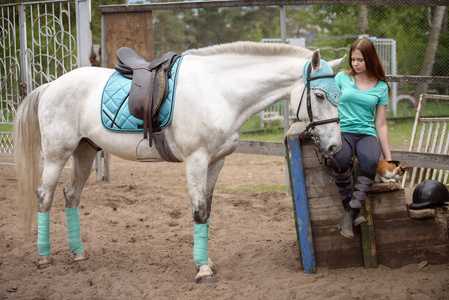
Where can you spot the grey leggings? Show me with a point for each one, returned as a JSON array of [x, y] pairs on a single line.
[[367, 149]]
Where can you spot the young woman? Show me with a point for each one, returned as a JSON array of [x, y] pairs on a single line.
[[363, 121]]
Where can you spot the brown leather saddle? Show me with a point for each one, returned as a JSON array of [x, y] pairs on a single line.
[[149, 85]]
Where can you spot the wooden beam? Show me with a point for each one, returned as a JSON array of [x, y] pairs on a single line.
[[261, 148], [441, 80], [369, 249], [422, 160], [410, 159], [249, 3]]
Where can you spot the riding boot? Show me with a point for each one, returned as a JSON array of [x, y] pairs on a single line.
[[345, 224], [359, 219]]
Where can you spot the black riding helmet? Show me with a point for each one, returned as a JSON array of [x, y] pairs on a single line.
[[429, 193]]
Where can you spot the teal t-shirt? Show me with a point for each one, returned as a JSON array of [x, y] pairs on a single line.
[[357, 108]]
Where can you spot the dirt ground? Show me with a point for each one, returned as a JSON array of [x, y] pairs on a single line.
[[138, 233]]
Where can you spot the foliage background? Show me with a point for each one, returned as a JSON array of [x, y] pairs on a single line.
[[332, 29]]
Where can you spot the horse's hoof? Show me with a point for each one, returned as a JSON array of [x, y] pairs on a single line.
[[214, 270], [205, 275], [208, 279], [212, 266], [80, 256], [44, 262]]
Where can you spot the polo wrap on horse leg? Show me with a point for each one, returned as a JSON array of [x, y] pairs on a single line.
[[200, 237], [43, 233], [73, 230]]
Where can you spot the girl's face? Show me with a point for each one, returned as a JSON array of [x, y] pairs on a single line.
[[358, 62]]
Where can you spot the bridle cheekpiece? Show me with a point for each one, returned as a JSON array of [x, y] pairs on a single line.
[[323, 80]]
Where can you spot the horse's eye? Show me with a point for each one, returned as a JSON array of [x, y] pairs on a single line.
[[319, 96]]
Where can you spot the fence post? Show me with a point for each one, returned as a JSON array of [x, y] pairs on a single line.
[[83, 32], [26, 77]]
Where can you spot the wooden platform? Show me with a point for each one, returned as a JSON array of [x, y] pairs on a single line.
[[400, 239]]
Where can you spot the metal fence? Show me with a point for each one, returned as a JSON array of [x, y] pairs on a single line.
[[411, 37], [39, 41]]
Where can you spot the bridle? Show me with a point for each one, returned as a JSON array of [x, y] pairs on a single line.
[[312, 124]]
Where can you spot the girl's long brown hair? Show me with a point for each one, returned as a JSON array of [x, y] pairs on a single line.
[[372, 61]]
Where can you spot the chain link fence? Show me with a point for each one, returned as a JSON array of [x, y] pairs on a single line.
[[412, 39]]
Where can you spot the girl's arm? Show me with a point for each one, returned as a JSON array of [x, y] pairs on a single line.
[[382, 130]]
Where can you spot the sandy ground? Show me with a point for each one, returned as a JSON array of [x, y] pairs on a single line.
[[138, 233]]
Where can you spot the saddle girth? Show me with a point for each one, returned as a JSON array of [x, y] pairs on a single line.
[[149, 85]]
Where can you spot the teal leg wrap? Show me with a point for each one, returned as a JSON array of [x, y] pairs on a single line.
[[73, 230], [43, 233], [200, 252], [207, 226]]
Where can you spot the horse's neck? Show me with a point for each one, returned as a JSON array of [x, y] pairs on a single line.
[[255, 83]]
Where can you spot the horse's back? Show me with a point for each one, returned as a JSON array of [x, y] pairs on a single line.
[[73, 101], [76, 87], [83, 77]]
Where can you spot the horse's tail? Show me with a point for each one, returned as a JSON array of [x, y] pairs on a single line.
[[27, 145]]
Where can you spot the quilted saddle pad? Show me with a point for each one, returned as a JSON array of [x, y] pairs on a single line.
[[115, 114]]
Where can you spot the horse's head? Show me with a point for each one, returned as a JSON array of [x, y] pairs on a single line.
[[315, 102]]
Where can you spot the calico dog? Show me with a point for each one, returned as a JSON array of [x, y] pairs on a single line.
[[389, 171]]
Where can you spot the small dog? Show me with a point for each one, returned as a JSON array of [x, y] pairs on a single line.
[[390, 171]]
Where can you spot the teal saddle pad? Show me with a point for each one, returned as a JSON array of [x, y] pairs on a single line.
[[115, 114]]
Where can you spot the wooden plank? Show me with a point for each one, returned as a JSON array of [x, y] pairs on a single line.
[[389, 205], [367, 234], [249, 3], [301, 205], [417, 159], [334, 251], [133, 30], [367, 230], [434, 255], [261, 148], [287, 157], [408, 158], [325, 210], [409, 233], [443, 80]]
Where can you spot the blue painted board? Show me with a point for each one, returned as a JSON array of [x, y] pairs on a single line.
[[301, 205]]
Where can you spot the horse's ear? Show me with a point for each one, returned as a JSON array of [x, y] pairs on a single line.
[[316, 60], [336, 63]]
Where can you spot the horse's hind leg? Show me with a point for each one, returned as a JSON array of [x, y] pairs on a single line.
[[83, 158], [53, 164]]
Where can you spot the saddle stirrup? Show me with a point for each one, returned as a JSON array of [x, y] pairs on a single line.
[[144, 159]]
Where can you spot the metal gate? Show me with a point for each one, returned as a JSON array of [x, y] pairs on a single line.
[[39, 41]]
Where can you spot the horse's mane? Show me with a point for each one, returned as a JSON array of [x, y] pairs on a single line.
[[252, 48]]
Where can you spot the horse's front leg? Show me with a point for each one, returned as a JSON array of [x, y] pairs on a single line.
[[201, 179]]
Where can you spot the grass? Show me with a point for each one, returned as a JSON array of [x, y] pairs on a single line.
[[5, 128]]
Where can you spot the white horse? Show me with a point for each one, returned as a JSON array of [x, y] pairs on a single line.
[[219, 88]]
